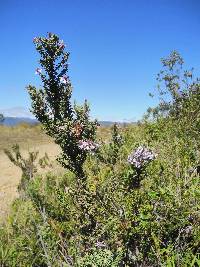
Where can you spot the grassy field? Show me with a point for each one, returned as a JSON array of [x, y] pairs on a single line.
[[30, 138], [25, 135]]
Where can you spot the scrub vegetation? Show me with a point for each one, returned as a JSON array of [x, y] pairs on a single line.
[[129, 197]]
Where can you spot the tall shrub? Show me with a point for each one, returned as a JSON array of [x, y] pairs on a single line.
[[69, 125]]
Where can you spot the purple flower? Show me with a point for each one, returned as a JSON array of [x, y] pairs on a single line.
[[88, 145], [64, 79], [140, 157], [35, 40], [38, 71], [61, 44]]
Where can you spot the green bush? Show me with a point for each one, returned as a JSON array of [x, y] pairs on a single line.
[[138, 205]]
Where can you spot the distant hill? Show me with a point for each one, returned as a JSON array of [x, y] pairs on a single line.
[[12, 121], [110, 123]]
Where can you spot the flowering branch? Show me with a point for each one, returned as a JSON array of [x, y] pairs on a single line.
[[51, 105], [139, 159]]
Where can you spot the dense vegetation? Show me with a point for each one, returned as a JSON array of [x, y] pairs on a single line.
[[131, 199]]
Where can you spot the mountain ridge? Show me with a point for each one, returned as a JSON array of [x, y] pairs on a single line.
[[13, 121]]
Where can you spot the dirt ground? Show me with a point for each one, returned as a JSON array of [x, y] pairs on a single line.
[[10, 175]]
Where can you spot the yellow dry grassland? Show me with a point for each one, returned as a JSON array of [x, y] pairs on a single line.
[[29, 138]]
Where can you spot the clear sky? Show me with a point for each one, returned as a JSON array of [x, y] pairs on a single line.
[[115, 47]]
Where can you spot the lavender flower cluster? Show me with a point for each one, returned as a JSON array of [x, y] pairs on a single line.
[[38, 71], [88, 145], [61, 44], [64, 79], [141, 156]]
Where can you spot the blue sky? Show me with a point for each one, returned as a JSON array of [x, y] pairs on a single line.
[[115, 47]]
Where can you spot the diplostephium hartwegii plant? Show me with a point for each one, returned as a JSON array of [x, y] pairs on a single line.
[[141, 157], [88, 145], [68, 124]]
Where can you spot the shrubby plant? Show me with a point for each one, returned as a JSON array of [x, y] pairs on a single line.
[[101, 258], [68, 124], [176, 87], [116, 143], [28, 165], [141, 157], [139, 205], [110, 152]]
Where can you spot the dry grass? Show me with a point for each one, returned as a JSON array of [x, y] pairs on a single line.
[[23, 134], [30, 139]]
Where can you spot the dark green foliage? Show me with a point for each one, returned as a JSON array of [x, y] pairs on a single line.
[[52, 106], [110, 151], [177, 89], [155, 224], [115, 144]]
